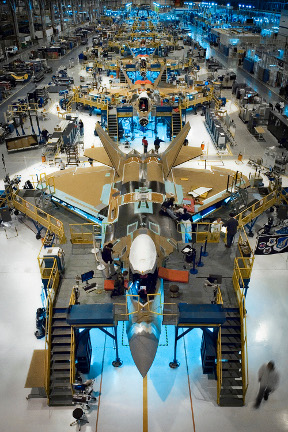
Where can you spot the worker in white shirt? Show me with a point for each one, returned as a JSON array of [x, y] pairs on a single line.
[[268, 378], [216, 227]]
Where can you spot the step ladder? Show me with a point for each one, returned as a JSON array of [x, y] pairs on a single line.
[[60, 387], [231, 391]]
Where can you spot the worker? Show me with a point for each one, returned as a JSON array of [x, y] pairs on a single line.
[[157, 142], [216, 227], [185, 218], [108, 260], [167, 208], [145, 144], [81, 127], [45, 135]]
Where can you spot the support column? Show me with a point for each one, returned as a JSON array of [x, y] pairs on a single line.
[[74, 15], [29, 6], [52, 15], [59, 4], [13, 6], [42, 5]]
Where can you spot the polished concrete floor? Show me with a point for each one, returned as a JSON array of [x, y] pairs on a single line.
[[177, 399], [171, 393]]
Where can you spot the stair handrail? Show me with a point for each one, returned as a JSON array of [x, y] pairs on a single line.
[[40, 216], [238, 284], [244, 348], [52, 288], [72, 302], [219, 366], [257, 208]]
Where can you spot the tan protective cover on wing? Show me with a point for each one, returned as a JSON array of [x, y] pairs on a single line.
[[98, 154], [170, 155], [187, 153], [115, 155]]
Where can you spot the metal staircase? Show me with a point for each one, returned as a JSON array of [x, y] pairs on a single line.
[[60, 388], [112, 123], [230, 380], [122, 77], [176, 122], [164, 76]]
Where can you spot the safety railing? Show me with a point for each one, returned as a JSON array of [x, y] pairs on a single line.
[[219, 366], [283, 196], [209, 231], [84, 233], [257, 208], [52, 288], [219, 299], [238, 279], [41, 217], [244, 349], [243, 263], [46, 184], [72, 302], [141, 308], [6, 199]]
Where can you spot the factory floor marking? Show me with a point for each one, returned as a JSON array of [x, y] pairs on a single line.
[[189, 386], [100, 388], [145, 405]]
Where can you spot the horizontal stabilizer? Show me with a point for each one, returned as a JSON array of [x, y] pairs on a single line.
[[115, 155], [170, 155]]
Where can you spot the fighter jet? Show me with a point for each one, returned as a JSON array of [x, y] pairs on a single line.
[[127, 193]]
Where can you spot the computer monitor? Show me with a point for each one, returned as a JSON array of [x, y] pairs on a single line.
[[87, 276]]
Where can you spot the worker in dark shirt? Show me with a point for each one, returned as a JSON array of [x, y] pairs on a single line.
[[108, 260], [185, 216], [157, 144], [231, 225], [167, 207], [45, 135]]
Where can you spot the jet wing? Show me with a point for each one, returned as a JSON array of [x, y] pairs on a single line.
[[115, 155], [98, 154], [187, 153], [191, 179], [169, 156], [85, 188]]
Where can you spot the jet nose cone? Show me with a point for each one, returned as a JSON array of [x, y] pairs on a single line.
[[143, 349]]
